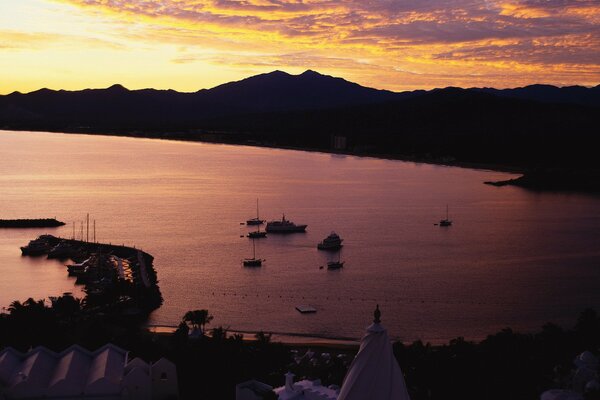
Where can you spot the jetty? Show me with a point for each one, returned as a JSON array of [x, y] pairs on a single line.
[[30, 223], [118, 279]]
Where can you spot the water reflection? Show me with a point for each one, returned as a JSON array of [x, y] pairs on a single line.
[[511, 258]]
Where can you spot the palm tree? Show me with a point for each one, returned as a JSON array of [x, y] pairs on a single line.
[[15, 307], [198, 317]]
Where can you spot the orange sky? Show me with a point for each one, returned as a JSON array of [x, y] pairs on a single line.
[[394, 44]]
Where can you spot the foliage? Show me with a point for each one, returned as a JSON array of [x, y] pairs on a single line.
[[198, 318], [506, 365]]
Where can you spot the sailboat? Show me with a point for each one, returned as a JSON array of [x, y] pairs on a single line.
[[447, 221], [252, 262], [336, 264], [257, 220], [257, 234]]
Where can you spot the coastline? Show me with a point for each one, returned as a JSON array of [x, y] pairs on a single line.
[[290, 339], [566, 179], [299, 339], [194, 138]]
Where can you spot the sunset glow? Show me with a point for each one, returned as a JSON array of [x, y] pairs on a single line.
[[393, 44]]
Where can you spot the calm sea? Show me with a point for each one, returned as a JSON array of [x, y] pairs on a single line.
[[512, 257]]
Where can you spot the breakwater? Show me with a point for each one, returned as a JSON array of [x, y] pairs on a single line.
[[118, 279], [30, 223]]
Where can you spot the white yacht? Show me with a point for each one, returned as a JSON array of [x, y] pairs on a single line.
[[331, 242]]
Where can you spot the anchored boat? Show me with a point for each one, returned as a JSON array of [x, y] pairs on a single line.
[[284, 226], [257, 220], [331, 242]]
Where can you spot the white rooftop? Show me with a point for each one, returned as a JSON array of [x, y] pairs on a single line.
[[105, 373]]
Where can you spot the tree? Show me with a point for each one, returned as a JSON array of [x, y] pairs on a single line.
[[198, 318]]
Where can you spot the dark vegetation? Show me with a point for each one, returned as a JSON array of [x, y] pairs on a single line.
[[539, 127], [30, 223], [507, 365]]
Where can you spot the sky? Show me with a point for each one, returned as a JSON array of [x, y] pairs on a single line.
[[398, 45]]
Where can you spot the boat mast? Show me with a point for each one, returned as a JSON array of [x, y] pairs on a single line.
[[253, 249], [257, 217]]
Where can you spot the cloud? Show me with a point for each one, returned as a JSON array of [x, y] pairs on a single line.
[[15, 40], [487, 37]]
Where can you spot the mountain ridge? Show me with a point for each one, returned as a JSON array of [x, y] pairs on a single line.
[[537, 92]]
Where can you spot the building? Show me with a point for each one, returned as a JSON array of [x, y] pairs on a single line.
[[373, 374], [77, 373]]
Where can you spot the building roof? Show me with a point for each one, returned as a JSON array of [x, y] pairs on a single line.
[[74, 371], [374, 372]]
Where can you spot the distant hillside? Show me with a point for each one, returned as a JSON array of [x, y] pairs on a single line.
[[536, 126], [117, 107], [280, 91], [447, 124], [551, 94]]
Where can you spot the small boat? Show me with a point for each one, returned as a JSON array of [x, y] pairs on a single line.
[[331, 242], [79, 268], [447, 221], [257, 234], [252, 262], [284, 226], [257, 220], [336, 264], [36, 247]]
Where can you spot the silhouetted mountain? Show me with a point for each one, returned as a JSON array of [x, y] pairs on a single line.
[[278, 91], [534, 126], [551, 94], [275, 91]]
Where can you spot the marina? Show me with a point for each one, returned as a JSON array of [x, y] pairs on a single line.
[[118, 279]]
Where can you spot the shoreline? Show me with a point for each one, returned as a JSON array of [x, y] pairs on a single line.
[[250, 143], [300, 339]]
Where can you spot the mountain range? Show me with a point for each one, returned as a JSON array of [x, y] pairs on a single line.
[[272, 92], [529, 127]]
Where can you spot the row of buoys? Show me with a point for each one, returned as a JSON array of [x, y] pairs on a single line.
[[362, 299]]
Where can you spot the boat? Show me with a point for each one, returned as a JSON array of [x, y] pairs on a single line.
[[257, 220], [284, 226], [79, 268], [447, 221], [257, 234], [331, 242], [336, 264], [36, 247], [252, 262]]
